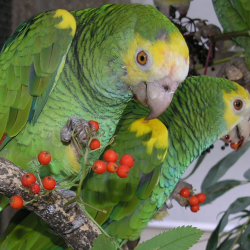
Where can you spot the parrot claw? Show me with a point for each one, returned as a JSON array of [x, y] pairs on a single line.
[[79, 128], [176, 193]]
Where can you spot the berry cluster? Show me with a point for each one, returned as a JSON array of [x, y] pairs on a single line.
[[193, 200], [111, 157], [29, 180]]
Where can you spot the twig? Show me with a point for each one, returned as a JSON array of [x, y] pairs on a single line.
[[50, 208]]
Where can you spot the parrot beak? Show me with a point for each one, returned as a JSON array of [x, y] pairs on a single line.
[[239, 135], [156, 95]]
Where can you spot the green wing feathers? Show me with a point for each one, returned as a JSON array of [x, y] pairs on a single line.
[[33, 232], [119, 197], [30, 63]]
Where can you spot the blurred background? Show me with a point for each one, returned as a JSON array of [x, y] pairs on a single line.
[[13, 12]]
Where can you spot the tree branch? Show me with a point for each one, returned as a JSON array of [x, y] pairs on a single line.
[[51, 208]]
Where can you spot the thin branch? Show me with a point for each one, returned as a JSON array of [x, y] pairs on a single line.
[[51, 208]]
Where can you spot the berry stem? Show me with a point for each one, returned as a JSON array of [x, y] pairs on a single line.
[[38, 175], [101, 229], [109, 143], [198, 67], [97, 209]]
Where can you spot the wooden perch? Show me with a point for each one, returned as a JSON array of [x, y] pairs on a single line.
[[51, 208]]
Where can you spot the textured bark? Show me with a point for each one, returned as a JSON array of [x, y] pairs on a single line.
[[50, 208], [24, 9]]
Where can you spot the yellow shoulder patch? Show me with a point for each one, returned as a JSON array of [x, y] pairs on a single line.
[[68, 21], [159, 137]]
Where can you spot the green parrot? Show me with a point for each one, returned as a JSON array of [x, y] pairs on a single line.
[[203, 110], [234, 15], [61, 67]]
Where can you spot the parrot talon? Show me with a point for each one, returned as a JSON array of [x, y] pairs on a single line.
[[78, 128], [176, 193]]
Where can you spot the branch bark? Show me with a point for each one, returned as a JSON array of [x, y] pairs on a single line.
[[51, 208]]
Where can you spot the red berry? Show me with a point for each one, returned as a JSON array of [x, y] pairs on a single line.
[[193, 200], [99, 167], [95, 144], [95, 125], [127, 160], [195, 208], [201, 197], [112, 167], [185, 192], [123, 171], [49, 182], [28, 179], [35, 188], [110, 156], [16, 202], [44, 157]]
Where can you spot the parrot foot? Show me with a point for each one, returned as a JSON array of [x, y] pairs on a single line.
[[236, 70], [80, 217], [80, 127], [176, 194]]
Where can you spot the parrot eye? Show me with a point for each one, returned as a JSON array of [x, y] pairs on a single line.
[[142, 58], [238, 104]]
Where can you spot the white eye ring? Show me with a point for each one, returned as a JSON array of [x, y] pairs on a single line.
[[143, 59]]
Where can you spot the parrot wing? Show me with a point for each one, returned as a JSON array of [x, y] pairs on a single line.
[[30, 64], [33, 231], [120, 196]]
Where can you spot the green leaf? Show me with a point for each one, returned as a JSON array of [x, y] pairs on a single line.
[[218, 189], [226, 244], [247, 174], [181, 238], [29, 233], [197, 164], [244, 240], [102, 242], [237, 206], [219, 169]]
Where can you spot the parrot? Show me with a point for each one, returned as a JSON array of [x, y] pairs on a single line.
[[63, 67], [203, 110], [234, 15]]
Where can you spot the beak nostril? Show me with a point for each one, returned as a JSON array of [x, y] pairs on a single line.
[[166, 88]]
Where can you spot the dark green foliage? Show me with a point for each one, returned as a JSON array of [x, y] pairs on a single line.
[[180, 238], [236, 207]]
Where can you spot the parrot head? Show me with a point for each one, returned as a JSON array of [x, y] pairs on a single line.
[[207, 109], [239, 135], [153, 55], [239, 103]]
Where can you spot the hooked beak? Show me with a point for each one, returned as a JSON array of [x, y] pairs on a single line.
[[156, 95], [239, 135]]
